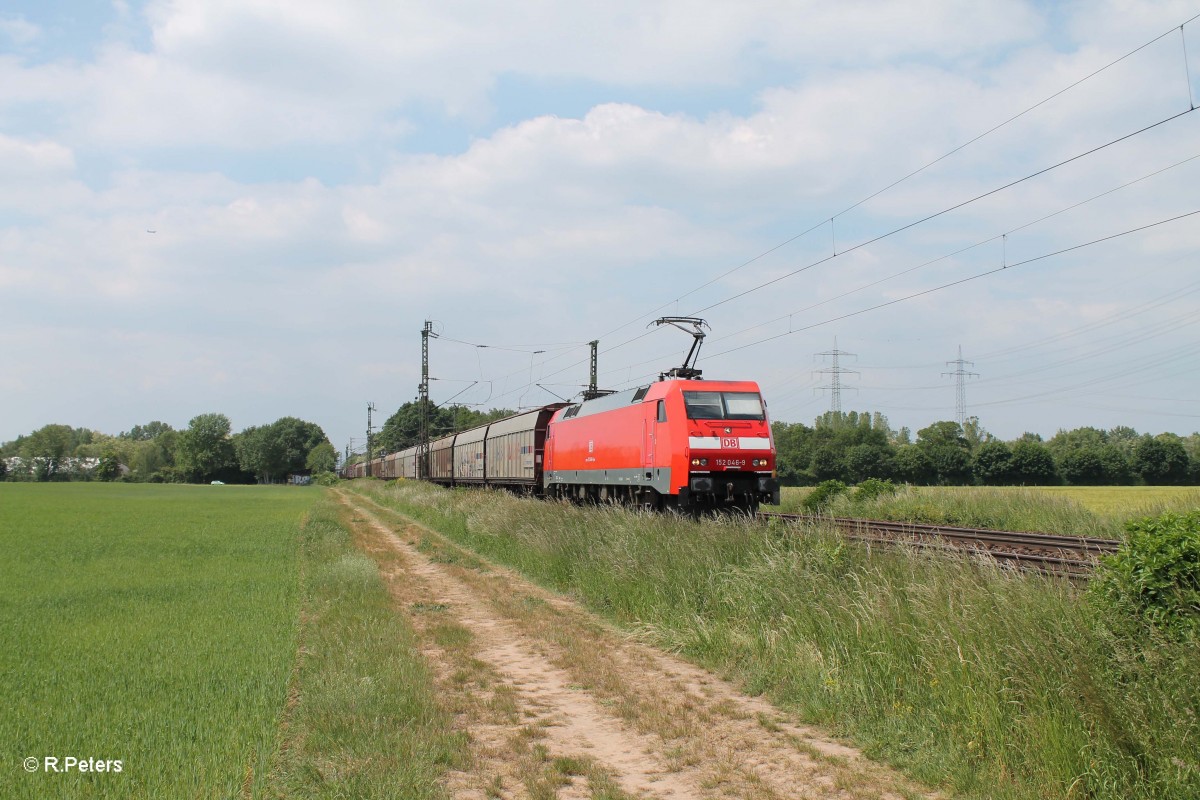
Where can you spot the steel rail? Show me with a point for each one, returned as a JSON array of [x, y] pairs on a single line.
[[1070, 555]]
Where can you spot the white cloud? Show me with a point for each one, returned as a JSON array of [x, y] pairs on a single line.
[[252, 74], [24, 158], [18, 30], [250, 293]]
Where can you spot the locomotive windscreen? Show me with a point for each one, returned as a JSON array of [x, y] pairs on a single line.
[[723, 405]]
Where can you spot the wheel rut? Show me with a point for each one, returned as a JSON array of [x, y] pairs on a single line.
[[557, 703]]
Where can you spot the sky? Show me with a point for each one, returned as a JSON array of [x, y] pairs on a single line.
[[251, 207]]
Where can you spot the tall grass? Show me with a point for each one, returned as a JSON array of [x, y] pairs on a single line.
[[993, 684]]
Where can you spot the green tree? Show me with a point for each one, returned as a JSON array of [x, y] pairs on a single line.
[[205, 449], [826, 464], [1032, 465], [992, 464], [272, 451], [147, 432], [974, 434], [1083, 467], [1161, 461], [1116, 465], [1192, 445], [942, 434], [1125, 439], [253, 447], [294, 440], [948, 451], [154, 460], [47, 450], [863, 461], [322, 458], [792, 452], [1065, 441], [913, 465], [109, 468]]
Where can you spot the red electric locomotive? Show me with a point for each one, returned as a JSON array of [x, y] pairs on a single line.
[[681, 443], [686, 444]]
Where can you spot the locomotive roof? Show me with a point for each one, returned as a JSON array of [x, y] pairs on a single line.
[[651, 391]]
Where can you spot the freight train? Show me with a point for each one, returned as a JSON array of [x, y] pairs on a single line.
[[690, 445]]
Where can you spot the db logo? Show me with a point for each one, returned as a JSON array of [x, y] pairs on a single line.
[[729, 442]]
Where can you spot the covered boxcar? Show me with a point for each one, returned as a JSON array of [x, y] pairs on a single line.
[[515, 449], [441, 460], [468, 456]]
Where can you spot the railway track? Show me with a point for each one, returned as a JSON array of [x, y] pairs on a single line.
[[1074, 556]]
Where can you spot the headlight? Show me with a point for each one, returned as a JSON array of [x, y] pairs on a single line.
[[699, 462]]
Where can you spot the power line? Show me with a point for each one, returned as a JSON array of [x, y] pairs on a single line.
[[516, 348], [956, 283], [927, 219], [904, 227], [944, 211], [727, 337], [962, 250], [919, 170]]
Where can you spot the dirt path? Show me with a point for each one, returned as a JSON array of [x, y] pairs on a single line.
[[558, 704]]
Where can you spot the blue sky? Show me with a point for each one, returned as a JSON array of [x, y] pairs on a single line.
[[320, 178]]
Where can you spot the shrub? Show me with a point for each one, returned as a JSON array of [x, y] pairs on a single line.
[[872, 488], [822, 496], [1155, 577]]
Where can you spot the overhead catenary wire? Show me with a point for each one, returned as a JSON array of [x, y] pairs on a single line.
[[958, 282], [902, 228], [960, 251], [944, 211], [921, 221], [919, 170]]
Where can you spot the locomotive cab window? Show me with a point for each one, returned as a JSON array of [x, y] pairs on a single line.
[[723, 405], [662, 411]]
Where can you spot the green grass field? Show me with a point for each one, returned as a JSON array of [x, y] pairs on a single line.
[[161, 626], [148, 624]]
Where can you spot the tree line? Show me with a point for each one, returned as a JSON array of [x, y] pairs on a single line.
[[205, 451], [852, 447]]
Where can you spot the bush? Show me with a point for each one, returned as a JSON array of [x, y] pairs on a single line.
[[1154, 578], [872, 488], [822, 496]]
